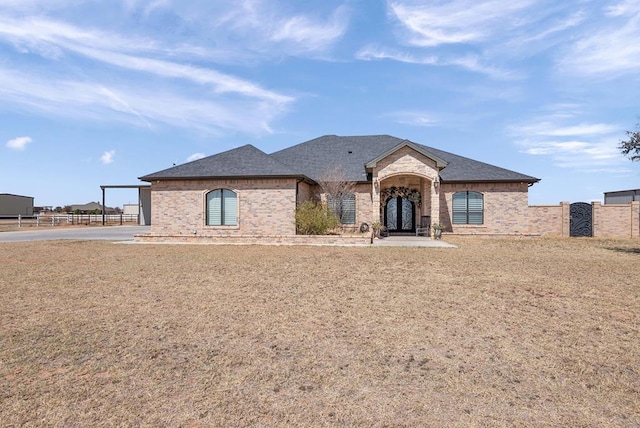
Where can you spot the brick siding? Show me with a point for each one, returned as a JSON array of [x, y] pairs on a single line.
[[505, 208], [265, 207], [408, 168]]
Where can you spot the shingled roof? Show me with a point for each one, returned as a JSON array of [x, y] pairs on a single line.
[[309, 160], [351, 154], [242, 162]]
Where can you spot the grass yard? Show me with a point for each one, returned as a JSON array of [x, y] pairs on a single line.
[[499, 332]]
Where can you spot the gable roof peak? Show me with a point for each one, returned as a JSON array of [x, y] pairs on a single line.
[[440, 163]]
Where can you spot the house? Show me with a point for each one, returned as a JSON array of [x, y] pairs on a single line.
[[91, 207], [13, 205], [403, 184]]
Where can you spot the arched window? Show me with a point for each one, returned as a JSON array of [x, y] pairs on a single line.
[[222, 208], [468, 208], [344, 206]]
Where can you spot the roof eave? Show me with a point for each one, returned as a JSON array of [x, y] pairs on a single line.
[[228, 177], [531, 180]]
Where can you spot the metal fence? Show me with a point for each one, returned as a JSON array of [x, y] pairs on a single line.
[[67, 219]]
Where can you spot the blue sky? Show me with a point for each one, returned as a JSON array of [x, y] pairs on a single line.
[[104, 91]]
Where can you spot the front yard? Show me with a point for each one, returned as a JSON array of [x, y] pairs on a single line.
[[499, 332]]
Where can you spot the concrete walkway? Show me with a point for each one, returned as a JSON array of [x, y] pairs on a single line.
[[410, 241]]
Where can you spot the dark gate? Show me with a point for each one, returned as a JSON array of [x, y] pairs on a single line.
[[581, 219]]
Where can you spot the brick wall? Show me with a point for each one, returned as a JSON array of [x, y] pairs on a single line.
[[616, 221], [265, 207], [364, 205], [505, 208], [549, 219], [609, 221], [406, 160], [306, 192], [310, 240]]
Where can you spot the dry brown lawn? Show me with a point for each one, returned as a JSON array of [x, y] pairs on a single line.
[[499, 332]]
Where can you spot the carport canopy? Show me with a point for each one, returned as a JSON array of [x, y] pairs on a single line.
[[104, 188]]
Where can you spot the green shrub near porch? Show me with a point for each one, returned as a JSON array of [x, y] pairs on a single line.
[[315, 219]]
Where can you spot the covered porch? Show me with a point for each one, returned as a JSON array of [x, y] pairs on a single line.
[[405, 189], [407, 204]]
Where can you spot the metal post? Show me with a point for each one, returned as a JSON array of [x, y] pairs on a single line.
[[103, 210], [19, 220]]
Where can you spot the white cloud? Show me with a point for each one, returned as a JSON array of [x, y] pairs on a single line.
[[469, 62], [474, 63], [107, 157], [111, 49], [267, 27], [19, 143], [623, 8], [309, 34], [568, 144], [144, 105], [577, 154], [550, 128], [374, 52], [414, 118], [555, 147], [608, 49], [151, 85], [211, 100], [195, 157], [455, 21], [484, 36]]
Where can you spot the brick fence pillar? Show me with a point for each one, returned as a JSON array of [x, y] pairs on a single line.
[[566, 219], [635, 219], [596, 224]]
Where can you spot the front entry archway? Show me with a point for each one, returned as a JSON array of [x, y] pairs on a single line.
[[399, 215]]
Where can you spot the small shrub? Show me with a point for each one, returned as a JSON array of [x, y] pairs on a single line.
[[315, 219]]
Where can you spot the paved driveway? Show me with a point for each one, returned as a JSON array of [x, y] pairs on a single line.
[[109, 233]]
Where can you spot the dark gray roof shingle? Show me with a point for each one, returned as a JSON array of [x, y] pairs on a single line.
[[352, 153], [311, 159], [462, 169], [349, 154], [245, 161]]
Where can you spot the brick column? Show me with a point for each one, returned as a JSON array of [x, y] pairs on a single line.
[[566, 218], [635, 219], [375, 199], [435, 203], [596, 223]]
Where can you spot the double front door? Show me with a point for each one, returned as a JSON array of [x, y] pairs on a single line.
[[399, 215]]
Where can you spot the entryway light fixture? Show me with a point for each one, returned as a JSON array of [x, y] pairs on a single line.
[[436, 183]]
